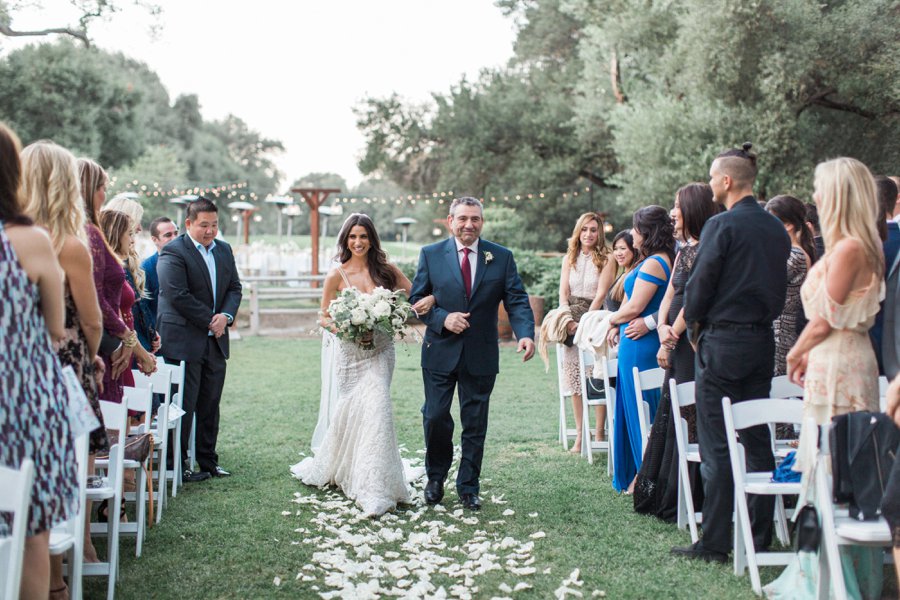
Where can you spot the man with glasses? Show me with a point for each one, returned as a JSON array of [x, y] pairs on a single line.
[[162, 231]]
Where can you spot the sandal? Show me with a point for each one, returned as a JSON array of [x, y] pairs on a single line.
[[103, 513]]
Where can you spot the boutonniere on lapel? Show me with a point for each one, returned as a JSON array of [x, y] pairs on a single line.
[[488, 257]]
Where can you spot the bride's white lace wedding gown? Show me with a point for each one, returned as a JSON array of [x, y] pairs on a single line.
[[359, 452]]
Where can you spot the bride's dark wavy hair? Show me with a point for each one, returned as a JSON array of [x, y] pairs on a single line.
[[657, 229], [382, 273]]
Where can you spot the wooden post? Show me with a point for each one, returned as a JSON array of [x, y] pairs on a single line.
[[314, 198]]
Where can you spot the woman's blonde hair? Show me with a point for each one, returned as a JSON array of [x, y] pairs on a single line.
[[600, 252], [848, 207], [135, 212], [114, 224], [50, 191]]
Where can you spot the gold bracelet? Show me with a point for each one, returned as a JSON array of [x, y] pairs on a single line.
[[131, 340]]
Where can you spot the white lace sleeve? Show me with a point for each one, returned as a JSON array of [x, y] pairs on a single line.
[[329, 396]]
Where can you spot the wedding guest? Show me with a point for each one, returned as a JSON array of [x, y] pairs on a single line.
[[896, 211], [889, 230], [645, 286], [52, 199], [587, 273], [735, 291], [833, 359], [624, 254], [144, 321], [890, 504], [200, 293], [33, 396], [656, 490], [118, 230], [162, 231], [792, 214], [812, 221]]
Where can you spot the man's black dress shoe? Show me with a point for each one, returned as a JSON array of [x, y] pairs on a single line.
[[698, 552], [470, 501], [189, 475], [434, 491], [218, 471]]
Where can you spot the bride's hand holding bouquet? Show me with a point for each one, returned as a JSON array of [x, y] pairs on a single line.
[[355, 316]]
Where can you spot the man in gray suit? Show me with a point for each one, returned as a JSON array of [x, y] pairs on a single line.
[[199, 295]]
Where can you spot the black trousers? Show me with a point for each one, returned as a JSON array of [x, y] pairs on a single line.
[[738, 364], [204, 379], [474, 398]]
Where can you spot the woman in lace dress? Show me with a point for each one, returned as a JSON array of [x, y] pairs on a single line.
[[359, 452], [656, 489], [792, 213], [833, 358], [587, 274]]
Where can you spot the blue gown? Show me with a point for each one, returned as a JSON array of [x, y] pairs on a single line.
[[640, 353]]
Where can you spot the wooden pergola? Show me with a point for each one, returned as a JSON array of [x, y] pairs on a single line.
[[314, 198]]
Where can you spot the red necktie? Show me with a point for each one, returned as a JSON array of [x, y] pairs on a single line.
[[467, 272]]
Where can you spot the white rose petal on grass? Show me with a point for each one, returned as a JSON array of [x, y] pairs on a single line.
[[538, 535], [498, 499], [533, 515], [503, 587], [508, 512], [522, 571], [521, 586], [563, 591], [470, 521], [285, 513], [598, 594], [277, 581]]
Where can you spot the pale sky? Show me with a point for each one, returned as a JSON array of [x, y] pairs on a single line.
[[294, 70]]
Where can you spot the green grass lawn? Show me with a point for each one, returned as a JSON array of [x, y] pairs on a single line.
[[227, 538]]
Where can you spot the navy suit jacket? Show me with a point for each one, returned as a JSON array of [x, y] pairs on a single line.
[[876, 333], [496, 281], [185, 297]]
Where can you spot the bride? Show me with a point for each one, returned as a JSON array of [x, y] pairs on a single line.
[[358, 451]]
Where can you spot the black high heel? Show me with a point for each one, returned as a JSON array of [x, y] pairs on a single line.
[[103, 512]]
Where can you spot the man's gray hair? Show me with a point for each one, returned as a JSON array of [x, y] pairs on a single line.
[[465, 201]]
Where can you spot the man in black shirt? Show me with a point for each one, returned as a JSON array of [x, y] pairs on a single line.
[[736, 289]]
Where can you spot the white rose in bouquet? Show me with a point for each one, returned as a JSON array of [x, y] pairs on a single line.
[[358, 316], [381, 309]]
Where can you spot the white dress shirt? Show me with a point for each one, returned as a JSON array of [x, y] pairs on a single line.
[[473, 257]]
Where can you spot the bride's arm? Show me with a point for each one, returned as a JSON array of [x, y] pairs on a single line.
[[332, 281], [422, 306]]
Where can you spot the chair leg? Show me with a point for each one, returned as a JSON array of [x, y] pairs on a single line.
[[563, 433], [586, 450], [610, 436], [176, 459], [112, 535], [140, 509], [747, 550], [162, 479], [781, 521]]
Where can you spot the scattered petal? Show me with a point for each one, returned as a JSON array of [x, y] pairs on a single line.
[[508, 512], [538, 535], [277, 581]]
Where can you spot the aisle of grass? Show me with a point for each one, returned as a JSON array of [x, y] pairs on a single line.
[[227, 538]]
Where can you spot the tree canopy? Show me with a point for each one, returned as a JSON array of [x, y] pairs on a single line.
[[633, 98]]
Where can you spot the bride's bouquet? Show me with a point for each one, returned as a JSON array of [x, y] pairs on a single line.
[[357, 316]]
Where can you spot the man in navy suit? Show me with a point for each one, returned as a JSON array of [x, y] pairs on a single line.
[[199, 296], [469, 278]]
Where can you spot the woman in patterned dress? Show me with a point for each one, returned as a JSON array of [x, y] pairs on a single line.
[[587, 274], [792, 213], [52, 200], [33, 398]]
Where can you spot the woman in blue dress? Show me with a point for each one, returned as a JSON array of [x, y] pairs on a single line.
[[645, 286]]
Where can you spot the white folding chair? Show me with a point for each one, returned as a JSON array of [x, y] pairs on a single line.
[[157, 382], [68, 537], [16, 498], [782, 387], [651, 379], [610, 367], [742, 415], [588, 445], [141, 400], [115, 417], [176, 373], [564, 432], [682, 395], [838, 527]]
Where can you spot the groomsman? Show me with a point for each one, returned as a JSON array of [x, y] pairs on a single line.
[[736, 289], [199, 295]]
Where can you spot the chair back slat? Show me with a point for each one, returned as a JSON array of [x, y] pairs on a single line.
[[16, 498], [750, 413], [782, 387]]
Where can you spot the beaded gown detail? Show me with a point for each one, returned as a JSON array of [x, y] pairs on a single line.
[[584, 277]]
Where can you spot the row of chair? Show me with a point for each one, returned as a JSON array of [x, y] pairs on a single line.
[[783, 407], [67, 538]]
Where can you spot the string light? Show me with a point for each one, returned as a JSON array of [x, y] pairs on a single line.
[[156, 189]]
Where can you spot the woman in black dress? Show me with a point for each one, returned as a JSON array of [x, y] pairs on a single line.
[[656, 489]]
